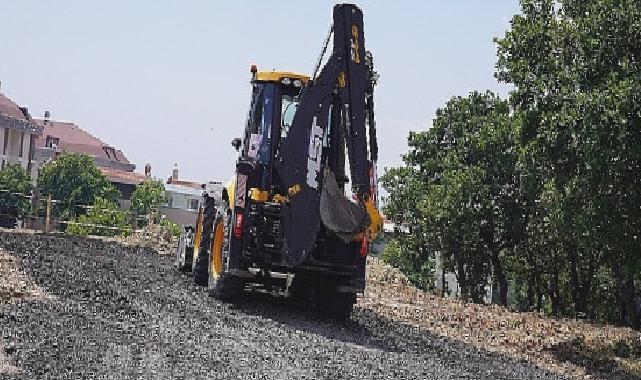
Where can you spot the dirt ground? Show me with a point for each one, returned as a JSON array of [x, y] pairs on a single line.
[[72, 308], [574, 348]]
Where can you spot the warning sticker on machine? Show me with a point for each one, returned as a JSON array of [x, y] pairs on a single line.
[[241, 190]]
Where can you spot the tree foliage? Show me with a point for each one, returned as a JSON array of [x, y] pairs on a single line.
[[15, 186], [457, 192], [541, 194], [104, 218], [74, 179], [148, 196], [576, 68]]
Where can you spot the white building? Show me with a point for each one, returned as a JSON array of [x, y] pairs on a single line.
[[184, 200], [18, 133]]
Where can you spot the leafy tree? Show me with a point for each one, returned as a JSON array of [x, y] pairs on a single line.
[[74, 179], [172, 229], [104, 218], [409, 249], [15, 186], [148, 196], [458, 193], [576, 68]]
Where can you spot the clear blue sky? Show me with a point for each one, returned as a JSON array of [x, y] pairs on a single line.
[[167, 81]]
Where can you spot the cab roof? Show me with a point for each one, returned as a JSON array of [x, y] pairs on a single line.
[[277, 76]]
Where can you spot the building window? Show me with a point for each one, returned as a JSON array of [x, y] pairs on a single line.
[[110, 152], [52, 142], [193, 204]]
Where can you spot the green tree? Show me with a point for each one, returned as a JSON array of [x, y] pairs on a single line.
[[74, 179], [409, 248], [458, 193], [576, 69], [148, 196], [104, 218], [15, 186]]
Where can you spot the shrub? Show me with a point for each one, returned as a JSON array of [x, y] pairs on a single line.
[[104, 218], [15, 185]]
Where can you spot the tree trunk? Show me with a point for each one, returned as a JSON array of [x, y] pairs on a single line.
[[628, 296], [539, 293], [462, 280], [618, 275], [554, 293], [588, 283], [500, 276], [443, 284], [531, 286], [575, 283]]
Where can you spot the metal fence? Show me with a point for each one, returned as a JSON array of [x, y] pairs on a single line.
[[42, 215]]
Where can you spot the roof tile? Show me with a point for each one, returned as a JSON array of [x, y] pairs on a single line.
[[74, 139]]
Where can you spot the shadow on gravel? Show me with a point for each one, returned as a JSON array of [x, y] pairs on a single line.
[[296, 316], [368, 329], [600, 361]]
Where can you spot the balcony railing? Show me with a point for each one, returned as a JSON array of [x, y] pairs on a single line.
[[8, 159]]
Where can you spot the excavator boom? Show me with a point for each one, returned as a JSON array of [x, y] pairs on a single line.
[[332, 116]]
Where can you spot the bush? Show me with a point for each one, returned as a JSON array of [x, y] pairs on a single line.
[[15, 186], [74, 179], [420, 272], [103, 219], [148, 196], [173, 229]]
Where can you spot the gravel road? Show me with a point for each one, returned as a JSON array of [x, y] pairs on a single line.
[[128, 314]]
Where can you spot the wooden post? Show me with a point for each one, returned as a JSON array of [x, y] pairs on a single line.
[[48, 215], [134, 222]]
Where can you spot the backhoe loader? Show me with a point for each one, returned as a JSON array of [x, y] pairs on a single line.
[[301, 209]]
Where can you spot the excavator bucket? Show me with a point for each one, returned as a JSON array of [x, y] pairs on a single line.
[[340, 215]]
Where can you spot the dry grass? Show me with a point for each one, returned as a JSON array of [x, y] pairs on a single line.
[[15, 284], [578, 349], [156, 237]]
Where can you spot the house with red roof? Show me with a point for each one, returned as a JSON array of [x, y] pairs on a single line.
[[60, 137], [35, 142], [18, 133]]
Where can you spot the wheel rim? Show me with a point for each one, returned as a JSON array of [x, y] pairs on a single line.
[[217, 250], [198, 235]]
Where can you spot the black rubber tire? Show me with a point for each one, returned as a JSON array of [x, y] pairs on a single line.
[[301, 290], [226, 287], [189, 257], [343, 305], [201, 264], [184, 255], [329, 301]]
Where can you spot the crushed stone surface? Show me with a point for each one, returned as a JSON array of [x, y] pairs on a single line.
[[111, 312]]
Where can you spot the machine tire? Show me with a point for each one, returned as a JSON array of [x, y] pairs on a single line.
[[201, 262], [222, 285], [337, 305], [184, 254], [301, 290]]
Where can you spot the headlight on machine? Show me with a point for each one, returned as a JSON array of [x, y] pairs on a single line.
[[286, 81], [298, 83]]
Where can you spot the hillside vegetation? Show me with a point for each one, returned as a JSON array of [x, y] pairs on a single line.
[[540, 192]]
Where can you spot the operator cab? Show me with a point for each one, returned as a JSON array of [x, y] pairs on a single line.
[[274, 101]]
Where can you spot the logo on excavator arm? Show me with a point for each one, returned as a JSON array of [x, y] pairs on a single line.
[[241, 189], [315, 154], [356, 56]]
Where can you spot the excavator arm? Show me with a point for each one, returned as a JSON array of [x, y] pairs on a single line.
[[334, 119]]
